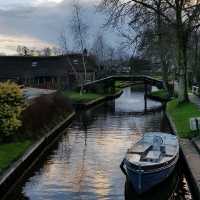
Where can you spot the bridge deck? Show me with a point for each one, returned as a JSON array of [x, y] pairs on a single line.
[[145, 79]]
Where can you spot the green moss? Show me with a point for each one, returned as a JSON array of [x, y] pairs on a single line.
[[180, 114], [11, 152], [163, 94], [81, 98]]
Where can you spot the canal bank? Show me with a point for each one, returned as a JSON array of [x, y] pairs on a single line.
[[9, 178], [189, 148], [18, 169], [190, 158], [84, 163]]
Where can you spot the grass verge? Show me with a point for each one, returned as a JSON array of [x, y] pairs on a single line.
[[180, 114], [163, 94], [10, 152], [81, 98]]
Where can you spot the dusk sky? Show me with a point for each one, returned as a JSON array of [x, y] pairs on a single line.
[[38, 23]]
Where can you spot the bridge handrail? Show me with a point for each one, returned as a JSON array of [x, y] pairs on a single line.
[[130, 77]]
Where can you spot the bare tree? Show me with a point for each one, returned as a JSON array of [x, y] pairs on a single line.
[[47, 51], [65, 51], [56, 51], [182, 15], [23, 50], [98, 48], [80, 33], [104, 54], [63, 42]]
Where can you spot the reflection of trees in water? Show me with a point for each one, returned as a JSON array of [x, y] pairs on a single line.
[[81, 171], [65, 148]]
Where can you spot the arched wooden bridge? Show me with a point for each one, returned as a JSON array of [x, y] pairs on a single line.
[[109, 82]]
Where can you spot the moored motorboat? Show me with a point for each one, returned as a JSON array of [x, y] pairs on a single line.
[[151, 160]]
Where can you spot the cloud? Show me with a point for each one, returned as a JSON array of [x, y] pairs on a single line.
[[45, 19], [8, 44]]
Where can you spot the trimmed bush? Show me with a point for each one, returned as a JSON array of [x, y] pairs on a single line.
[[11, 107], [44, 113]]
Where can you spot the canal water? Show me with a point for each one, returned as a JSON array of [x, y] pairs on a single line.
[[84, 163]]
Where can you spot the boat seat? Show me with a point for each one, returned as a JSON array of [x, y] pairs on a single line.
[[157, 143], [140, 148], [169, 151], [152, 156]]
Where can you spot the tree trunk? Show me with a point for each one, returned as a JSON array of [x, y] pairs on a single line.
[[159, 28], [182, 64], [182, 39]]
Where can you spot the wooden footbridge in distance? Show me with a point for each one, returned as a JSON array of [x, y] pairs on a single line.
[[107, 84]]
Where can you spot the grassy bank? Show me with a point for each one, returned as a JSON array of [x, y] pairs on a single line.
[[180, 114], [77, 97], [12, 151], [81, 98], [163, 94], [39, 117]]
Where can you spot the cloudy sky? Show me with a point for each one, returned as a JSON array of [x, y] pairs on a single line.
[[38, 23]]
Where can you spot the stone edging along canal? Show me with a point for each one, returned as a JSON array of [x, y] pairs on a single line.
[[190, 159], [19, 168]]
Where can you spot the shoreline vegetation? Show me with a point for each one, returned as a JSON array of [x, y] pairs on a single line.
[[76, 97], [37, 118], [86, 97], [40, 115], [180, 115], [162, 94], [10, 152]]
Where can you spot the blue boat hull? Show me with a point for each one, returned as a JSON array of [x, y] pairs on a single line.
[[143, 182]]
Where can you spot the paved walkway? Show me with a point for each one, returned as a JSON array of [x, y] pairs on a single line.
[[191, 152], [31, 93], [194, 99]]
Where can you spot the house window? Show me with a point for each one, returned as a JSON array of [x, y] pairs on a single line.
[[34, 64]]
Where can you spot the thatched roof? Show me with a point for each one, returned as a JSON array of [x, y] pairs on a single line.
[[13, 67]]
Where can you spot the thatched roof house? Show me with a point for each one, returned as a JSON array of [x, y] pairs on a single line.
[[41, 71]]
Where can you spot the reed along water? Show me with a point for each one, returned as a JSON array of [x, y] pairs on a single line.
[[84, 162]]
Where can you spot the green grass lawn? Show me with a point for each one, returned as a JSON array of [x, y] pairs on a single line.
[[120, 84], [160, 93], [180, 114], [11, 152], [81, 98]]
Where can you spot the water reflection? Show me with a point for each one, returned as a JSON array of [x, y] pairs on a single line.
[[84, 164]]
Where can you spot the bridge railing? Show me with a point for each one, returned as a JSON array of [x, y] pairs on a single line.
[[110, 80]]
